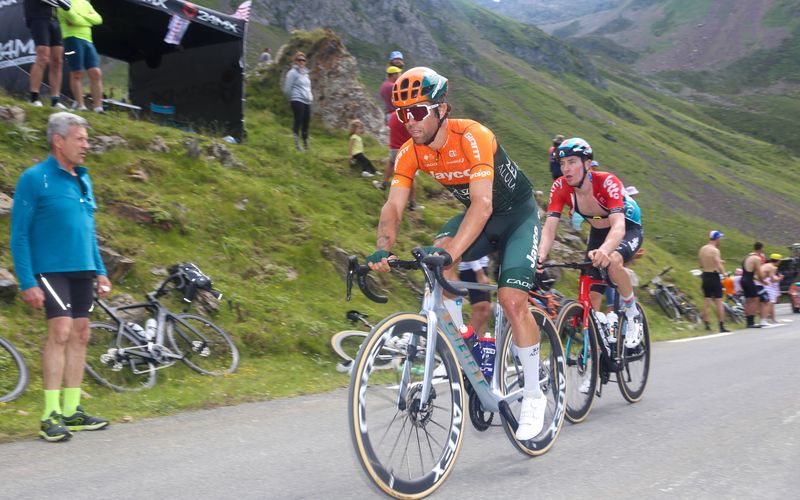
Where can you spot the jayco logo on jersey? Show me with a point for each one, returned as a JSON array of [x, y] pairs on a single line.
[[451, 175], [534, 248], [476, 153], [611, 187]]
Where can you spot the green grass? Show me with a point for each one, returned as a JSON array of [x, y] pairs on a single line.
[[275, 261]]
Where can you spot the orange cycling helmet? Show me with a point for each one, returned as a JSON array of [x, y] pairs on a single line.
[[419, 85]]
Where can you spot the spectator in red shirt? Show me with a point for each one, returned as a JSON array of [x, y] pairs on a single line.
[[398, 135], [392, 73]]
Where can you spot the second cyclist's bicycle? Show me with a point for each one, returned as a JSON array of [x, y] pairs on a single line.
[[595, 352], [407, 425]]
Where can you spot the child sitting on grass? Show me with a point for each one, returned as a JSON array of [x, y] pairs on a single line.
[[356, 150]]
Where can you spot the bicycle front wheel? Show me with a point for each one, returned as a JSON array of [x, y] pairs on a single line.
[[15, 372], [582, 364], [634, 361], [109, 362], [551, 379], [407, 447], [205, 347]]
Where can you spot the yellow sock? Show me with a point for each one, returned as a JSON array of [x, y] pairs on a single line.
[[51, 403], [72, 398]]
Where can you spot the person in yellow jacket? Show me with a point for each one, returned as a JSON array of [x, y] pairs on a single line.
[[76, 27]]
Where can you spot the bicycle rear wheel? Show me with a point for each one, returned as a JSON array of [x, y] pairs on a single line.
[[734, 314], [552, 381], [634, 362], [407, 449], [582, 363], [347, 343], [15, 372], [109, 364], [206, 348]]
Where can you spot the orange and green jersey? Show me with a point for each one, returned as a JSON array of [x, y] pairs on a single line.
[[470, 153]]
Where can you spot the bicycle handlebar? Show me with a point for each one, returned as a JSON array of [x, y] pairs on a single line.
[[434, 263]]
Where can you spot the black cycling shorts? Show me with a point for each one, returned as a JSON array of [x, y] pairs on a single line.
[[475, 296], [712, 286], [67, 294], [46, 32], [627, 248]]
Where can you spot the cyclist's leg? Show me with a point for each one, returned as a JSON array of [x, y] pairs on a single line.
[[624, 252]]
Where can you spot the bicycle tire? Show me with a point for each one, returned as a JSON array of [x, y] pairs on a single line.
[[632, 382], [379, 423], [206, 348], [552, 380], [667, 304], [347, 343], [15, 376], [734, 314], [107, 367], [582, 362]]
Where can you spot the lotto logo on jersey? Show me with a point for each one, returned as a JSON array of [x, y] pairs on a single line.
[[612, 188], [476, 153]]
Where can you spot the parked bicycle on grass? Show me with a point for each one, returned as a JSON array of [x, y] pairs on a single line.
[[125, 357], [422, 405], [675, 304], [13, 372], [595, 350]]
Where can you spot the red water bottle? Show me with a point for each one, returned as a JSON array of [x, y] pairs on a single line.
[[472, 341]]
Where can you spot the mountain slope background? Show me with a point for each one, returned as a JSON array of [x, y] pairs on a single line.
[[738, 60], [272, 227]]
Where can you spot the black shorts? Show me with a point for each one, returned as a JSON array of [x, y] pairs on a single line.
[[627, 248], [712, 286], [475, 296], [46, 32], [67, 294]]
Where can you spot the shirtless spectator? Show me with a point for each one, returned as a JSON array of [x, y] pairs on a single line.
[[771, 282], [712, 266], [754, 295]]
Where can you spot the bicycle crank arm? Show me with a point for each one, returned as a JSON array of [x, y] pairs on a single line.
[[508, 416]]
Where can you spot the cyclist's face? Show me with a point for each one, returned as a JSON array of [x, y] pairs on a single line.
[[423, 131], [572, 168]]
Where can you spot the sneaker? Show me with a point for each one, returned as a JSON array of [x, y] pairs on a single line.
[[531, 417], [81, 108], [379, 185], [634, 333], [80, 421], [53, 429], [722, 329], [99, 109], [37, 103], [415, 206], [367, 174], [60, 106]]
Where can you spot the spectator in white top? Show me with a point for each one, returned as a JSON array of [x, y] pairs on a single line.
[[297, 88]]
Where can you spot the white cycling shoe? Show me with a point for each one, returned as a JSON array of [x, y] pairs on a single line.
[[531, 417], [634, 332]]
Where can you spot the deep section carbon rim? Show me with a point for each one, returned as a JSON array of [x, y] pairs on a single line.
[[108, 362]]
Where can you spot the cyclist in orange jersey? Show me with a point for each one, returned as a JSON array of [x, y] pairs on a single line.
[[500, 214]]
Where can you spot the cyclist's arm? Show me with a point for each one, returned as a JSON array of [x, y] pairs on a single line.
[[391, 215], [615, 234], [479, 211], [548, 236]]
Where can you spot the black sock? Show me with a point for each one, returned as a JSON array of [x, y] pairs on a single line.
[[708, 327], [721, 325], [34, 96], [53, 100], [749, 320]]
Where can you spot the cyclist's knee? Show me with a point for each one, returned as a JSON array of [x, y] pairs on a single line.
[[513, 300]]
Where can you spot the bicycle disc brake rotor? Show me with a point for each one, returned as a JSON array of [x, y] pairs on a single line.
[[419, 417]]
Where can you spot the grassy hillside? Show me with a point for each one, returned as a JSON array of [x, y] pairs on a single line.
[[274, 258]]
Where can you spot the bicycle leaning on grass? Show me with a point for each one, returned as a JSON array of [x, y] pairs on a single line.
[[407, 425], [124, 356], [13, 372], [675, 304], [595, 351]]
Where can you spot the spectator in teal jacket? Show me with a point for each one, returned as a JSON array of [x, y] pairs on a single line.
[[56, 258], [81, 55]]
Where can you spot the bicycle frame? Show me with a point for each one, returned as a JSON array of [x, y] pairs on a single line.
[[492, 399]]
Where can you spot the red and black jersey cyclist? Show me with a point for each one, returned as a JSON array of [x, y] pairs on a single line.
[[500, 214], [616, 233]]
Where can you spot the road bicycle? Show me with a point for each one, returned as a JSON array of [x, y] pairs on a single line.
[[13, 372], [124, 356], [596, 351], [675, 304], [407, 425]]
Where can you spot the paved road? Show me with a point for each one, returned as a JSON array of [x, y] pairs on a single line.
[[720, 419]]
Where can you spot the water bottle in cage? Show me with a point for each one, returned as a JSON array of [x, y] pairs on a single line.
[[613, 325], [137, 329], [471, 339], [488, 351], [602, 323], [150, 327]]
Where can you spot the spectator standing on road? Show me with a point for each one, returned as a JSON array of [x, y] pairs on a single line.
[[265, 57], [753, 292], [40, 17], [713, 266], [297, 88], [555, 165], [76, 26], [771, 281], [356, 150], [56, 257], [392, 73]]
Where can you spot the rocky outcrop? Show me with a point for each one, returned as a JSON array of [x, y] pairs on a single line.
[[8, 285], [12, 114], [117, 265]]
